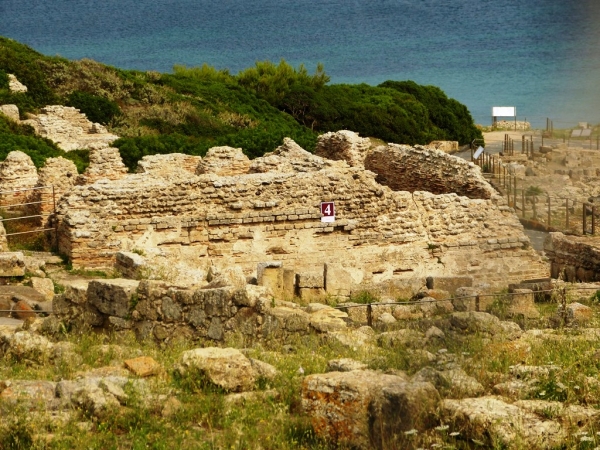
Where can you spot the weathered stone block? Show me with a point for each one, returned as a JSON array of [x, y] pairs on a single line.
[[310, 280], [312, 294], [129, 264], [522, 304], [338, 281], [112, 297], [226, 368], [270, 275], [12, 264], [399, 408], [451, 284], [338, 404]]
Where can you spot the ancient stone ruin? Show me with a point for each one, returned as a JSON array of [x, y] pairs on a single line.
[[64, 125], [388, 231]]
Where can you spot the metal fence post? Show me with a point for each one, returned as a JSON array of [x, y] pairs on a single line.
[[584, 218], [593, 220], [567, 214]]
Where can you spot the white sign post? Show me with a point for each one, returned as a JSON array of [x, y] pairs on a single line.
[[478, 152], [503, 111]]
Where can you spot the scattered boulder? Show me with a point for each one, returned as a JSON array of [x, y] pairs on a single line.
[[226, 368], [453, 383], [399, 408], [12, 264], [112, 297], [143, 366], [338, 404], [345, 365], [495, 422]]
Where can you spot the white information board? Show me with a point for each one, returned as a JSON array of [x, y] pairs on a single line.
[[478, 152], [504, 111]]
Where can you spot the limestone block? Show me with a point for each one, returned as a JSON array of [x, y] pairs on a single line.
[[226, 368], [345, 365], [281, 320], [522, 304], [338, 404], [143, 366], [492, 421], [12, 264], [10, 111], [112, 297], [466, 299], [451, 284], [312, 294], [328, 319], [289, 282], [129, 264], [310, 280], [338, 281], [44, 286], [270, 275], [399, 408]]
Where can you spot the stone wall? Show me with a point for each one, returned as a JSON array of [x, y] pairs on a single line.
[[69, 128], [158, 311], [405, 168], [105, 163], [168, 165], [573, 258], [273, 213], [343, 145], [56, 178], [18, 176]]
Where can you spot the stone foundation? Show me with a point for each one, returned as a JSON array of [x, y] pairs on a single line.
[[573, 258], [380, 237]]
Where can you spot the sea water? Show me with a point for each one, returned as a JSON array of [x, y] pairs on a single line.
[[540, 56]]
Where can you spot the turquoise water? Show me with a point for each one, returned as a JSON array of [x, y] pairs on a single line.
[[542, 56]]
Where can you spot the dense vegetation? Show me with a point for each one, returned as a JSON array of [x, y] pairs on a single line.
[[193, 109]]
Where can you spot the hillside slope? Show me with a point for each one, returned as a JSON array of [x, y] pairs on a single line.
[[193, 109]]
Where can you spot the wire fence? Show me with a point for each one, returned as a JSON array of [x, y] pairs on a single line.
[[534, 205]]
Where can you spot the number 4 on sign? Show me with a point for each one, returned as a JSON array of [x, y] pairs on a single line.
[[327, 212]]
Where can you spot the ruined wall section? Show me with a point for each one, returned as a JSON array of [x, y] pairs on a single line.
[[405, 168], [105, 163], [168, 165], [573, 258], [69, 128], [18, 176], [56, 178], [379, 235], [343, 145]]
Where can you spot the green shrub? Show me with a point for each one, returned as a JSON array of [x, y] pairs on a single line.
[[97, 109], [3, 79]]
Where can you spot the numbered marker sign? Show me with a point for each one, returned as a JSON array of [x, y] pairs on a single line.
[[327, 212]]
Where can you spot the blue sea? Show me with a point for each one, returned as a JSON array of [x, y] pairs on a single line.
[[541, 56]]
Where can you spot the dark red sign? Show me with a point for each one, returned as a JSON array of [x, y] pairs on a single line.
[[327, 212]]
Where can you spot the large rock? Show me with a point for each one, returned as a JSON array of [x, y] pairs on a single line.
[[14, 85], [112, 297], [338, 404], [399, 408], [226, 368], [328, 319], [26, 346], [10, 111], [12, 264], [453, 383], [491, 420]]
